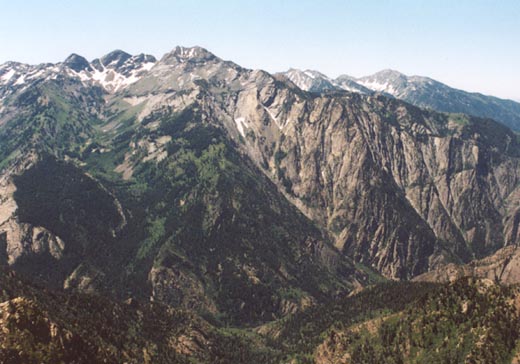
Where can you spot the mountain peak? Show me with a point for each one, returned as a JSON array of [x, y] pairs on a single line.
[[307, 72], [388, 74], [77, 63], [183, 54], [310, 80], [192, 52], [345, 77], [117, 58], [387, 81], [144, 58]]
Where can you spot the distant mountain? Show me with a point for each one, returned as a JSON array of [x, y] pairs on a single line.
[[349, 84], [420, 91], [425, 92], [315, 81], [312, 81], [111, 72]]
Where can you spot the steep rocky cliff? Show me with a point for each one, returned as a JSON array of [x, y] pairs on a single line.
[[400, 188], [501, 267]]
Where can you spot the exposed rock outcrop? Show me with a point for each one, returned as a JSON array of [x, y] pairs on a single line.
[[503, 267], [400, 189]]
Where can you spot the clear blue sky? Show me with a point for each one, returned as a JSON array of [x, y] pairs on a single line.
[[469, 44]]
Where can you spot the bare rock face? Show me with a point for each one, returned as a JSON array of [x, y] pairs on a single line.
[[86, 278], [503, 267], [333, 350], [26, 240], [400, 189], [17, 239], [179, 289]]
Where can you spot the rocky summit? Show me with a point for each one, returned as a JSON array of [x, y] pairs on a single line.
[[253, 217]]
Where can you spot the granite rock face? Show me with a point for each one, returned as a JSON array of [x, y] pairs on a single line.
[[399, 188]]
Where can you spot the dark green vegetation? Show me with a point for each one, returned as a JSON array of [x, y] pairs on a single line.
[[302, 332], [42, 326], [60, 197], [201, 228], [468, 321], [465, 322], [208, 208], [56, 117]]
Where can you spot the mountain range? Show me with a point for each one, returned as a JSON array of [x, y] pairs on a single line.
[[190, 188], [420, 91]]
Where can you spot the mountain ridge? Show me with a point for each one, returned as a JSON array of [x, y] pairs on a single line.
[[418, 90]]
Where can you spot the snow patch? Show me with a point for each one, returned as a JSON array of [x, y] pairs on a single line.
[[348, 88], [308, 73], [110, 79], [241, 123], [134, 100], [275, 119], [20, 80], [36, 74], [378, 86], [147, 66], [7, 76], [83, 76]]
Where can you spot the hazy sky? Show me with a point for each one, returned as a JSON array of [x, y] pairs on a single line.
[[469, 44]]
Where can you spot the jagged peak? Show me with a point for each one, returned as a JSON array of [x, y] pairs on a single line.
[[192, 52], [315, 73], [145, 58], [11, 64], [77, 63], [310, 80], [183, 54]]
